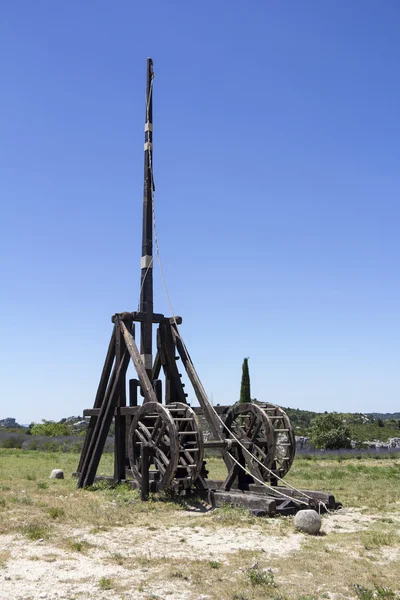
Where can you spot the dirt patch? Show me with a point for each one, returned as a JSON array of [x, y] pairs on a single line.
[[41, 569]]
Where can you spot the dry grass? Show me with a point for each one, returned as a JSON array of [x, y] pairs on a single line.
[[361, 547]]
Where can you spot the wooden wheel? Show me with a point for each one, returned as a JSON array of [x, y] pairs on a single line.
[[190, 445], [285, 442], [251, 425], [175, 441]]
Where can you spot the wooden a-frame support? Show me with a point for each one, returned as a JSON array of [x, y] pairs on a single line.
[[111, 392]]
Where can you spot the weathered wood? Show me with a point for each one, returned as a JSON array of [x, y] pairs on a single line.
[[101, 390], [102, 426], [221, 410], [137, 316], [324, 497], [157, 385], [156, 367], [144, 488], [120, 419], [133, 393], [140, 317], [166, 349], [249, 423], [245, 500], [147, 388]]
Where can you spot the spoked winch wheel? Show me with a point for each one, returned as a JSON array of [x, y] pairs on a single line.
[[285, 442], [252, 427], [175, 443]]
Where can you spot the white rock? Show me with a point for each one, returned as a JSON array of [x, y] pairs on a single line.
[[308, 521], [57, 474]]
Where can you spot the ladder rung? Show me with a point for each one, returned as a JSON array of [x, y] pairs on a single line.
[[189, 450], [281, 430], [187, 432], [283, 444], [183, 419]]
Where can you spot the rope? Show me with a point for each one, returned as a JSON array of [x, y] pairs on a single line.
[[300, 492], [263, 482]]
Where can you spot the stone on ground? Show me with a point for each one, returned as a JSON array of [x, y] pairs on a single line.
[[308, 521], [57, 474]]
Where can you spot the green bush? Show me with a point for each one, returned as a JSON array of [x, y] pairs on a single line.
[[50, 429], [13, 441], [50, 447], [328, 432]]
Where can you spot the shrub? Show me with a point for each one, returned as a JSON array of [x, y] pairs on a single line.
[[328, 432], [56, 512], [34, 531], [105, 583], [50, 429], [258, 576], [14, 441]]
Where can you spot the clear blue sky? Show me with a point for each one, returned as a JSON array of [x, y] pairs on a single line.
[[276, 152]]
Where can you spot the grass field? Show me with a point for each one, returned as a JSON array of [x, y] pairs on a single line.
[[60, 542]]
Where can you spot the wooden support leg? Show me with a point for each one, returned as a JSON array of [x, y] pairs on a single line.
[[144, 489], [273, 480], [232, 475], [120, 420], [133, 391], [157, 384], [102, 426], [101, 390]]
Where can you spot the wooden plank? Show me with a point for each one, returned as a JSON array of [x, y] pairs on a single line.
[[101, 390], [324, 497], [245, 500], [147, 388], [102, 426]]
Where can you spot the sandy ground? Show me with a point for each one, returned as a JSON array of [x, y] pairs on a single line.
[[41, 569]]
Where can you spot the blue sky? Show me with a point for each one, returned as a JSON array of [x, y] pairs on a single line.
[[276, 155]]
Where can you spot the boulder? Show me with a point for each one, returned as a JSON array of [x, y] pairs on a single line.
[[57, 474], [308, 521]]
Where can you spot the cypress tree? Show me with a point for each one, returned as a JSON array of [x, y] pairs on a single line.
[[245, 385]]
